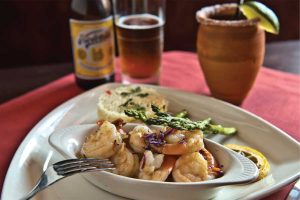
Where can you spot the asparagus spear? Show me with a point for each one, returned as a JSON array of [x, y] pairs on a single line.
[[182, 114], [179, 123]]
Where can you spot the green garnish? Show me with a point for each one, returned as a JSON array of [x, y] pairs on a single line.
[[182, 114], [127, 102], [216, 129], [142, 95], [179, 123], [135, 90], [124, 94], [132, 91], [139, 108], [130, 104]]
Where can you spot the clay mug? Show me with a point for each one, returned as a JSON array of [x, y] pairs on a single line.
[[230, 51]]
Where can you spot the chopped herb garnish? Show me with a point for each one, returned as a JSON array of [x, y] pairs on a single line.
[[124, 94], [135, 90], [127, 102], [140, 108], [130, 104], [132, 91], [142, 95]]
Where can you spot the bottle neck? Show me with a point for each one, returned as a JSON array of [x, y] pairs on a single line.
[[90, 9]]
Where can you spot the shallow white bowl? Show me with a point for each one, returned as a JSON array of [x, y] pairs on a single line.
[[237, 170]]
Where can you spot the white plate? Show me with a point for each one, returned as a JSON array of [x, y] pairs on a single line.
[[35, 153]]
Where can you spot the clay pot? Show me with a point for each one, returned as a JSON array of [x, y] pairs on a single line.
[[230, 52]]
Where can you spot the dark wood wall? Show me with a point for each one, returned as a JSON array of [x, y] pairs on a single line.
[[37, 32], [181, 27]]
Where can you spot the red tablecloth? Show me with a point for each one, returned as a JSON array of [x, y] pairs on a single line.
[[274, 97]]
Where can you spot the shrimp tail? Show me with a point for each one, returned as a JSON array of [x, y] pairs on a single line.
[[168, 163], [213, 168]]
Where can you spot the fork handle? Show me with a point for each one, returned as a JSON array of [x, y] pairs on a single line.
[[33, 192], [43, 182]]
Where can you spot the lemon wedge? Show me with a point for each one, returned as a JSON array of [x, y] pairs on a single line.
[[257, 157], [267, 18]]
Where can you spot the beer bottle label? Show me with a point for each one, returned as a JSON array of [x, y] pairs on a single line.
[[93, 48]]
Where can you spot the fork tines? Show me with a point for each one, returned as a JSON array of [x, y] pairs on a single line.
[[72, 166]]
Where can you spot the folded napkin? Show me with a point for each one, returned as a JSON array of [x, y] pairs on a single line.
[[274, 97]]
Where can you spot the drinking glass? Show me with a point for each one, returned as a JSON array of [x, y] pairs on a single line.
[[139, 27], [230, 51]]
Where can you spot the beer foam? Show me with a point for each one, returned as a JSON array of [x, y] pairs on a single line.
[[120, 22]]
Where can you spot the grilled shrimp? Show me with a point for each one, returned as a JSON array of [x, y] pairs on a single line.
[[127, 163], [156, 167], [103, 143], [213, 168], [136, 139], [181, 142], [190, 167]]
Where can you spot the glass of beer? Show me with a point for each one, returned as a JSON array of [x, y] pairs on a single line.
[[139, 25]]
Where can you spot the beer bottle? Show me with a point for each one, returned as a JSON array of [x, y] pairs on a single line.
[[92, 37]]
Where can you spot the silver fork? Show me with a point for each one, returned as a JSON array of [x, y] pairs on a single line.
[[67, 168]]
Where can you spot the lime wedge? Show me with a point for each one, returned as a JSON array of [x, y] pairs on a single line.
[[267, 18]]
